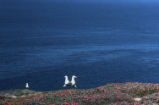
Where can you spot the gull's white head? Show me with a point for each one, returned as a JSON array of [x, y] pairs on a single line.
[[74, 76], [65, 76]]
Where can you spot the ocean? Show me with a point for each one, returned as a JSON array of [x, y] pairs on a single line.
[[41, 41]]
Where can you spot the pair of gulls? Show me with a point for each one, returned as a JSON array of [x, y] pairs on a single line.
[[67, 83], [71, 83]]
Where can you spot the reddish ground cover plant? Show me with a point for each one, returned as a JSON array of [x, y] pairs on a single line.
[[130, 93]]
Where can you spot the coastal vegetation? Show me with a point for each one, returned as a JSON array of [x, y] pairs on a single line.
[[130, 93]]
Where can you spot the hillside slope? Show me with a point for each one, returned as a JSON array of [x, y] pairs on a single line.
[[130, 93]]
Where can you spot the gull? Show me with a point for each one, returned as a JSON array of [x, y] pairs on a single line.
[[27, 85]]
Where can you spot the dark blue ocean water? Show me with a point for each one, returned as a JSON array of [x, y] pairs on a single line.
[[100, 42]]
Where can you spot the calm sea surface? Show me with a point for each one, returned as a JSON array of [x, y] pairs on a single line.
[[41, 41]]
